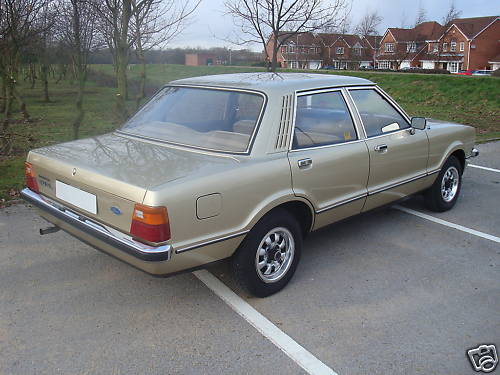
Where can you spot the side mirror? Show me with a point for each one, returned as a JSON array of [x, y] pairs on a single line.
[[419, 123]]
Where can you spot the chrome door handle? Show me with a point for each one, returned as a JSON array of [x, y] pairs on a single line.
[[303, 163], [381, 148]]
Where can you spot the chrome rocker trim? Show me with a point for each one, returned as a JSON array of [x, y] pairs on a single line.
[[109, 236]]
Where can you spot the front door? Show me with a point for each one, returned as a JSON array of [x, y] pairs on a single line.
[[328, 160], [398, 154]]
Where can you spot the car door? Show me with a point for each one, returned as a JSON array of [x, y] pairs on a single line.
[[328, 159], [398, 153]]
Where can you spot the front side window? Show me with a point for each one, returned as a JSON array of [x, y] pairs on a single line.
[[378, 115], [322, 119], [221, 120]]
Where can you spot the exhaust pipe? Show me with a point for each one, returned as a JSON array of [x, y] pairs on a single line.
[[49, 230]]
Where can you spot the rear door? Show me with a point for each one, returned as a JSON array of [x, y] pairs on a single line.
[[328, 159], [398, 154]]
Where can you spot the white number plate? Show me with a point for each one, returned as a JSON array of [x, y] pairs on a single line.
[[76, 197]]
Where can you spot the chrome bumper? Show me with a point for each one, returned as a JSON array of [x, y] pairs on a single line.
[[473, 153], [112, 237]]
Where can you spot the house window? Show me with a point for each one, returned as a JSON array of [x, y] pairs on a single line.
[[356, 51], [453, 46], [389, 47], [435, 48], [384, 65], [340, 50], [294, 65], [445, 47], [462, 46], [411, 47]]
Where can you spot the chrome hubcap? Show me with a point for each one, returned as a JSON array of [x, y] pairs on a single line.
[[275, 255], [449, 184]]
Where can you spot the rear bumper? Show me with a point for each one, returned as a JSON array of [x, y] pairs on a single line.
[[96, 234], [473, 153]]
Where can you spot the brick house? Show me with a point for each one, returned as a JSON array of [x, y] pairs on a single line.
[[199, 59], [314, 51], [347, 51], [399, 48], [466, 43], [299, 51]]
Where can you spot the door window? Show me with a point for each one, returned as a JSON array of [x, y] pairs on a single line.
[[322, 119], [378, 116]]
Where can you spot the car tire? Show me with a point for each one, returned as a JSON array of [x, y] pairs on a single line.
[[267, 258], [443, 194]]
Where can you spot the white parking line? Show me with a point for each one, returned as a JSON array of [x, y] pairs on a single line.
[[448, 224], [485, 168], [291, 348]]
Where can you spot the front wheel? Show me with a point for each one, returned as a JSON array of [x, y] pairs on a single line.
[[443, 194], [266, 260]]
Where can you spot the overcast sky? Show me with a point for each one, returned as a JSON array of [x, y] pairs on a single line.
[[210, 25]]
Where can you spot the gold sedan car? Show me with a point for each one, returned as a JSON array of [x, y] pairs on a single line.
[[243, 166]]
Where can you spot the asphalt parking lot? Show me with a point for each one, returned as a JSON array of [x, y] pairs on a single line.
[[387, 292]]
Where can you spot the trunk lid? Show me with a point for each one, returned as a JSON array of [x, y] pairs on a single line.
[[117, 169]]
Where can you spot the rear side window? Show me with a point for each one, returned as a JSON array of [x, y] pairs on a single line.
[[378, 116], [322, 119]]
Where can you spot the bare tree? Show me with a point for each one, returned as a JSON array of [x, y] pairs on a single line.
[[20, 23], [452, 13], [155, 23], [276, 21], [114, 24], [79, 35], [421, 14], [368, 24]]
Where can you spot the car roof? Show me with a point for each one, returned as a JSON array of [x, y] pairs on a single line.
[[268, 81]]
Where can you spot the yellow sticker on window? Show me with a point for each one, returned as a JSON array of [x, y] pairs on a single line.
[[347, 136]]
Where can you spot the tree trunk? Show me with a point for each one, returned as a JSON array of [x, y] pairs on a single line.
[[121, 84], [44, 73], [3, 94], [142, 84], [275, 53], [82, 78]]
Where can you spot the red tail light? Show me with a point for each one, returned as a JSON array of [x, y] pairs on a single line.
[[30, 178], [150, 223]]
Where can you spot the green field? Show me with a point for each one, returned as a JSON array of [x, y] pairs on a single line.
[[469, 100]]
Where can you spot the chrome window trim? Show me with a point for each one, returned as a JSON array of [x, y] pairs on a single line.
[[322, 91], [391, 102], [221, 88]]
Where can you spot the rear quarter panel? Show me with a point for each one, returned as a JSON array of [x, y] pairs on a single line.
[[248, 191]]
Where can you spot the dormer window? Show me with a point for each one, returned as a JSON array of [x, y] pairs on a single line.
[[435, 48], [340, 50], [411, 47], [389, 47]]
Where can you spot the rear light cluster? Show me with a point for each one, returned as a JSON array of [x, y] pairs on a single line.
[[150, 223], [30, 178]]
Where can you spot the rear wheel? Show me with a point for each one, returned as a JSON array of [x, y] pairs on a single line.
[[443, 194], [266, 260]]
